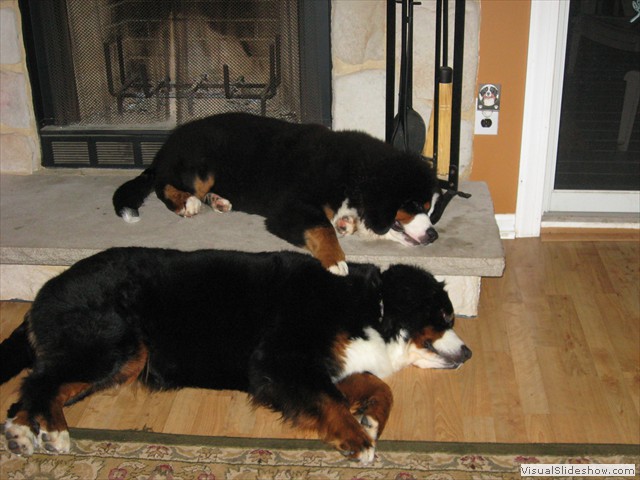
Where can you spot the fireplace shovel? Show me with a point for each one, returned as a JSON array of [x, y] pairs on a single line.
[[409, 129]]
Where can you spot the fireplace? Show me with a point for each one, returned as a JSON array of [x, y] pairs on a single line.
[[112, 78]]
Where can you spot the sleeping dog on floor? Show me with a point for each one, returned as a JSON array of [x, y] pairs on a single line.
[[299, 340], [306, 180]]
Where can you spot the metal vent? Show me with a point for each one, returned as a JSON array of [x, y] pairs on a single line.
[[76, 153], [148, 151], [115, 153]]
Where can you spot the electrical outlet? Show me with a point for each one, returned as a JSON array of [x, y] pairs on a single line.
[[487, 109]]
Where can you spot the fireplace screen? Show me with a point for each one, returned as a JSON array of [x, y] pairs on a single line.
[[123, 73]]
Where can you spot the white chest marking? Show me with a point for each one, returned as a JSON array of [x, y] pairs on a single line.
[[373, 355]]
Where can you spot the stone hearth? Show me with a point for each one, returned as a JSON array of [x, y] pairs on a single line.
[[49, 220]]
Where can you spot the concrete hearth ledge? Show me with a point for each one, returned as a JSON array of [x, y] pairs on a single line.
[[58, 218]]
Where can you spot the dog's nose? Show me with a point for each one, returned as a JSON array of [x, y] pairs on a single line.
[[466, 353], [432, 234]]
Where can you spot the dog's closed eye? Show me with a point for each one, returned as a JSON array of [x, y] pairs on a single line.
[[428, 345]]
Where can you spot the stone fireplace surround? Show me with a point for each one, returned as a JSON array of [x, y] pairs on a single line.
[[358, 76]]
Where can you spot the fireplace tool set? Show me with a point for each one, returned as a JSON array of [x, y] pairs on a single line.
[[406, 130]]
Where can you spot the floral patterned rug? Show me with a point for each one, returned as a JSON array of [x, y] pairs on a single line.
[[115, 455]]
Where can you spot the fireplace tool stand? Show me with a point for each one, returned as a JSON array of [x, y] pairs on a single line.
[[443, 74]]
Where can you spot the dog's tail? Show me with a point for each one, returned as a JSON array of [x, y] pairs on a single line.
[[130, 196], [16, 353]]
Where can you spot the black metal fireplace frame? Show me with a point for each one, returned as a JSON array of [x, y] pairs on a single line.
[[82, 147]]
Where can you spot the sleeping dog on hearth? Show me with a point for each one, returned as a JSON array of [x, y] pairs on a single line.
[[299, 340], [306, 180]]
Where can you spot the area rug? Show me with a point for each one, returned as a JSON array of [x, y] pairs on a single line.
[[117, 455]]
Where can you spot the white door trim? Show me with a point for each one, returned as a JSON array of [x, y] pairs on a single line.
[[541, 116], [541, 123]]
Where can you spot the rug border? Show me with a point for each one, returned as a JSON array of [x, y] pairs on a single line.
[[458, 448]]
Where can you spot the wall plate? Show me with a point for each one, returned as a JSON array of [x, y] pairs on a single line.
[[487, 109]]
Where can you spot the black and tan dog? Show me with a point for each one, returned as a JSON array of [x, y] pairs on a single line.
[[301, 341], [306, 180]]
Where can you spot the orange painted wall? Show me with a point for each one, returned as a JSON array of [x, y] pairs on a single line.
[[504, 40]]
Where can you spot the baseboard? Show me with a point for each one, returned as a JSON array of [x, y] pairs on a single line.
[[582, 234], [506, 224]]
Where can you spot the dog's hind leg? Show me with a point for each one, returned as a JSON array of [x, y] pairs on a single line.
[[37, 419], [187, 202], [370, 400]]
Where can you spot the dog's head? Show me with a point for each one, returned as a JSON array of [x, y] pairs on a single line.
[[419, 315], [398, 202]]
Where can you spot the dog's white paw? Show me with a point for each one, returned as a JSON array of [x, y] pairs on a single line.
[[20, 438], [345, 225], [218, 203], [55, 442], [341, 269], [129, 215], [192, 207], [367, 456]]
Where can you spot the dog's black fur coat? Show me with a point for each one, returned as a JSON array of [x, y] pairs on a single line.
[[289, 173], [267, 324]]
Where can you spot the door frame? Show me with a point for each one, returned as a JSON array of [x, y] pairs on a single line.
[[541, 121]]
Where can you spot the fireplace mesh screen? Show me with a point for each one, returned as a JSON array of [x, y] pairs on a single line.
[[112, 78], [147, 64]]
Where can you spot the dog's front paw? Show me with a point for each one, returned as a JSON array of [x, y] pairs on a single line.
[[55, 442], [217, 203], [341, 269], [191, 207], [367, 456], [345, 225], [20, 439], [359, 448]]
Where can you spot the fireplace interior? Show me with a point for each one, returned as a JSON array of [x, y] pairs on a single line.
[[112, 78]]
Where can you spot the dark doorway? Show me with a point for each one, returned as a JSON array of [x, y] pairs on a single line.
[[599, 139]]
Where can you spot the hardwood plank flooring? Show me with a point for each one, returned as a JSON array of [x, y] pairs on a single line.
[[556, 358]]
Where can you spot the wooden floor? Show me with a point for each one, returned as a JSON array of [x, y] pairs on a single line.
[[556, 358]]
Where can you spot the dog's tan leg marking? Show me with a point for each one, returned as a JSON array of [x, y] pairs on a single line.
[[338, 427], [178, 199], [370, 401], [132, 369], [323, 244], [202, 187], [54, 432]]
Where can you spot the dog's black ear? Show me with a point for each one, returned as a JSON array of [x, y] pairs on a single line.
[[379, 213], [405, 287], [397, 287]]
